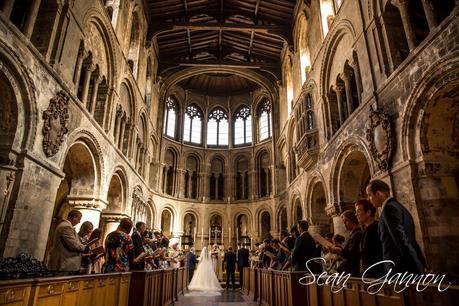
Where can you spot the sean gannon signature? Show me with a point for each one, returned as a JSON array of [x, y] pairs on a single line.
[[399, 281]]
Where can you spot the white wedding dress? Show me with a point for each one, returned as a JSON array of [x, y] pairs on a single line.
[[204, 281]]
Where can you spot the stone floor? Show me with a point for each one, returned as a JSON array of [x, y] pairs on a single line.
[[228, 298]]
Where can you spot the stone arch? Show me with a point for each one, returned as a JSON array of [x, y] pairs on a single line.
[[116, 196], [217, 171], [296, 207], [336, 37], [351, 172], [216, 222], [169, 174], [135, 42], [282, 218], [430, 134], [316, 203], [265, 223], [167, 221], [19, 99], [302, 45], [190, 215], [150, 214], [242, 224], [192, 168], [287, 78], [264, 173], [95, 21], [242, 177]]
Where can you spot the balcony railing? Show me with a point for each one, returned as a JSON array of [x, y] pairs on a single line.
[[307, 149]]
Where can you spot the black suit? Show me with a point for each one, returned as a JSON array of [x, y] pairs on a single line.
[[397, 234], [138, 249], [230, 265], [242, 261], [371, 251], [351, 254], [305, 249], [191, 262]]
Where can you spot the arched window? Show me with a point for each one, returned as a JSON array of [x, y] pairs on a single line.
[[217, 128], [193, 124], [327, 12], [242, 126], [264, 120], [170, 117], [310, 118]]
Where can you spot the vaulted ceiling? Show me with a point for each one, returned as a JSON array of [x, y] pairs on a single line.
[[221, 33]]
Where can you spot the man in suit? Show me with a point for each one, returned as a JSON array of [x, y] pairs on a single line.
[[396, 231], [242, 262], [191, 262], [138, 245], [230, 265], [305, 249], [65, 254]]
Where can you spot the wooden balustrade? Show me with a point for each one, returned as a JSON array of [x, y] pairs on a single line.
[[101, 289], [280, 288], [158, 287]]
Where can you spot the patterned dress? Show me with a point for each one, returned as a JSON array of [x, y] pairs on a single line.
[[119, 251]]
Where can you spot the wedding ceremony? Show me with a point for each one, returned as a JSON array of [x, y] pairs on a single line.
[[229, 152]]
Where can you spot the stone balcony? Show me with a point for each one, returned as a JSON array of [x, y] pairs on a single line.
[[307, 149]]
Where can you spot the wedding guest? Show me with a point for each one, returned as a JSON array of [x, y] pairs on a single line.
[[119, 249], [84, 233], [396, 231], [370, 245], [97, 258], [138, 241], [174, 256], [191, 262], [242, 262], [350, 252], [230, 266], [304, 250], [65, 254]]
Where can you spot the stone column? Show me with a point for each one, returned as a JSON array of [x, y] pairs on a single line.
[[95, 88], [339, 100], [430, 14], [181, 184], [347, 75], [90, 209], [87, 79], [31, 18], [79, 64], [7, 7], [122, 131], [407, 25], [116, 131]]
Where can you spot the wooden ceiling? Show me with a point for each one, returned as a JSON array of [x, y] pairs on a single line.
[[217, 84], [221, 33]]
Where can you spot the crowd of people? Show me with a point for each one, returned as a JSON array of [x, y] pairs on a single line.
[[370, 240]]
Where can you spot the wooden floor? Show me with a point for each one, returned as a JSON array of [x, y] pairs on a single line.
[[228, 298]]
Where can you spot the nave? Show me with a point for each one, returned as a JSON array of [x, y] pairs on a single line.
[[228, 298]]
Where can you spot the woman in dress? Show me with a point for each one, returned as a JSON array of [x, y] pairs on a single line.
[[204, 280]]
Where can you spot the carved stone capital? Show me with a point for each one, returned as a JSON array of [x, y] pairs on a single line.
[[55, 118]]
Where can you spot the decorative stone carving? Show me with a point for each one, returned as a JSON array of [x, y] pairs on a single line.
[[56, 118], [379, 137]]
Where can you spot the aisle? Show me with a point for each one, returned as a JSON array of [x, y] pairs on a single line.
[[228, 298]]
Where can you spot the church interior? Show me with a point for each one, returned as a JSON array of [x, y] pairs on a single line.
[[223, 123]]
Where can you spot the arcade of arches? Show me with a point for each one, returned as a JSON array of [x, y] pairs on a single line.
[[244, 116]]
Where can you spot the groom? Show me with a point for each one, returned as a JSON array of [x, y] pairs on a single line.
[[230, 260]]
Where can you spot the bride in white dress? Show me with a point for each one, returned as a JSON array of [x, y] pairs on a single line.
[[204, 280]]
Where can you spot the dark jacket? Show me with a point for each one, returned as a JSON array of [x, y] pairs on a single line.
[[230, 261], [191, 260], [397, 234], [351, 254], [371, 251], [243, 258], [138, 249], [305, 249]]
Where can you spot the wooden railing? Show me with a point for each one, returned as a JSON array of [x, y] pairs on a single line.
[[157, 288], [279, 288], [102, 290], [137, 288]]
